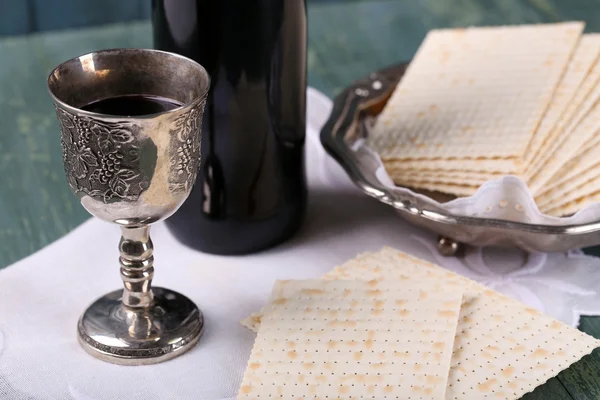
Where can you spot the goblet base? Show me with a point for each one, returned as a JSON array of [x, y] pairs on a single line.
[[112, 332]]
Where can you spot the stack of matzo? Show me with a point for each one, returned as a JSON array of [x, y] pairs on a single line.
[[387, 325], [477, 104]]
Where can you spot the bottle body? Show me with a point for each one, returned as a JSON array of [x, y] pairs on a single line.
[[251, 192]]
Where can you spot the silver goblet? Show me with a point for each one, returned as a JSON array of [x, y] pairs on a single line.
[[133, 169]]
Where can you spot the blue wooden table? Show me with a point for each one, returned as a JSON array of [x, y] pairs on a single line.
[[347, 39]]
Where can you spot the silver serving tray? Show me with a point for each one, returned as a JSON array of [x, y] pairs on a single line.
[[346, 124]]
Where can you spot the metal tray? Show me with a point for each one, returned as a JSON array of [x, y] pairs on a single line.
[[346, 124]]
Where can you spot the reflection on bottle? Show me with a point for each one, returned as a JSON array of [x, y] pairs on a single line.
[[213, 202]]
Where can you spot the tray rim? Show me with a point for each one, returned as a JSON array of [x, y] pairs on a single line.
[[348, 106]]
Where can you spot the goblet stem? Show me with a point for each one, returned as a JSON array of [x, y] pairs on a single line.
[[139, 324], [137, 269]]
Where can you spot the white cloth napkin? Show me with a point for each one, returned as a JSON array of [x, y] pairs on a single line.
[[42, 296]]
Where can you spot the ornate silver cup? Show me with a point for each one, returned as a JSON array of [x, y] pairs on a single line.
[[133, 170]]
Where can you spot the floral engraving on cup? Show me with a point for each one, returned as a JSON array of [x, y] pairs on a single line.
[[101, 158], [185, 156]]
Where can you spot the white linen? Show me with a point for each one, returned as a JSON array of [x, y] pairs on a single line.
[[43, 295]]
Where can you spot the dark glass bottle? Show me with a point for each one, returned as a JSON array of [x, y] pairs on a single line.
[[251, 188]]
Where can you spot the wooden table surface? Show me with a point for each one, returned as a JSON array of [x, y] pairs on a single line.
[[347, 39]]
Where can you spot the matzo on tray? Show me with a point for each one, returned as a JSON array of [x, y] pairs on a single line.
[[480, 103], [475, 93]]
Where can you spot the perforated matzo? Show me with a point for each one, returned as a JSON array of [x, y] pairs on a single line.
[[353, 339], [449, 106]]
